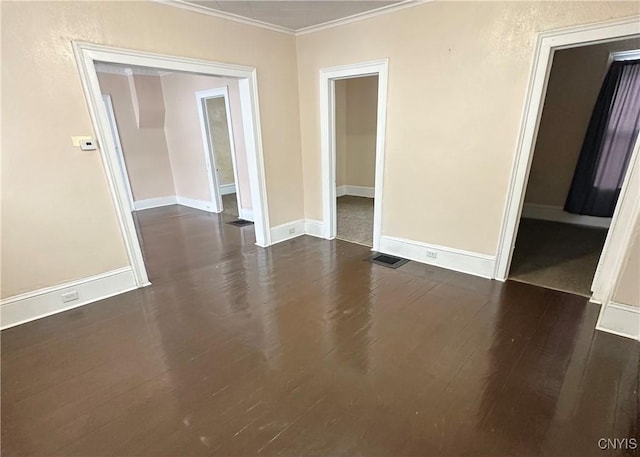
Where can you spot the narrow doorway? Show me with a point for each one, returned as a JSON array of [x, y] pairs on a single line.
[[227, 162], [356, 105], [587, 132]]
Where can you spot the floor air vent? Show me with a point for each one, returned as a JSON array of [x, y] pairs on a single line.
[[387, 260], [240, 222]]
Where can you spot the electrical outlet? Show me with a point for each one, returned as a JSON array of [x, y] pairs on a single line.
[[432, 254], [69, 296], [292, 231]]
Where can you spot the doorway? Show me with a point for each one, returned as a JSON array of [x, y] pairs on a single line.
[[356, 101], [619, 233], [229, 181], [364, 204], [88, 55], [587, 130]]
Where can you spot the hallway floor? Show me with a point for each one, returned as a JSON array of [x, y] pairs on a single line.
[[306, 349], [559, 256], [355, 220]]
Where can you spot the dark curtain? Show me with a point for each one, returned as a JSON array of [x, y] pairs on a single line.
[[608, 144]]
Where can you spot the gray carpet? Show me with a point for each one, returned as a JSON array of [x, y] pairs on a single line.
[[355, 220], [557, 256], [230, 205]]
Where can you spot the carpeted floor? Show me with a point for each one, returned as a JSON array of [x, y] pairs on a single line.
[[355, 220], [557, 256], [230, 205]]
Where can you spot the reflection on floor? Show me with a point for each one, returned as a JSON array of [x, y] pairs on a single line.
[[305, 349], [559, 256], [230, 204], [355, 220]]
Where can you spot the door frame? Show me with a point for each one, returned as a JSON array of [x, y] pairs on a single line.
[[118, 145], [86, 56], [328, 77], [617, 237], [209, 149]]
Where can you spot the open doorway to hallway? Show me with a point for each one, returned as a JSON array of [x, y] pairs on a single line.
[[586, 136], [356, 104], [179, 149]]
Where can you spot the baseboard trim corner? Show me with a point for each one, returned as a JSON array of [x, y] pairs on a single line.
[[557, 214], [473, 263], [355, 191], [154, 202], [620, 319], [40, 303], [226, 189], [287, 231], [195, 204], [315, 228]]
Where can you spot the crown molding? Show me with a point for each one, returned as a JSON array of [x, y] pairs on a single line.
[[224, 15], [183, 4], [361, 16]]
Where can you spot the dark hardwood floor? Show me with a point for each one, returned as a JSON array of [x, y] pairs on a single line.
[[306, 349]]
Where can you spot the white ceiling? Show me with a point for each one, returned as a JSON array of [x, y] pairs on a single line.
[[291, 15]]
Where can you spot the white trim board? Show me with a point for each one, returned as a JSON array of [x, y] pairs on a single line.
[[44, 302], [557, 214], [328, 77], [246, 214], [226, 189], [313, 227], [355, 191], [294, 229], [157, 202], [620, 319], [482, 265], [287, 231], [547, 43], [173, 200]]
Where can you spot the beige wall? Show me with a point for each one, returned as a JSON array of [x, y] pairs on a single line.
[[628, 287], [575, 80], [356, 122], [144, 148], [184, 137], [219, 132], [59, 223], [458, 78]]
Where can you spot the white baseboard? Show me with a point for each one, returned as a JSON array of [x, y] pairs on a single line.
[[227, 189], [620, 319], [314, 228], [441, 256], [40, 303], [557, 214], [287, 231], [196, 204], [356, 191], [155, 202], [173, 200], [246, 214]]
